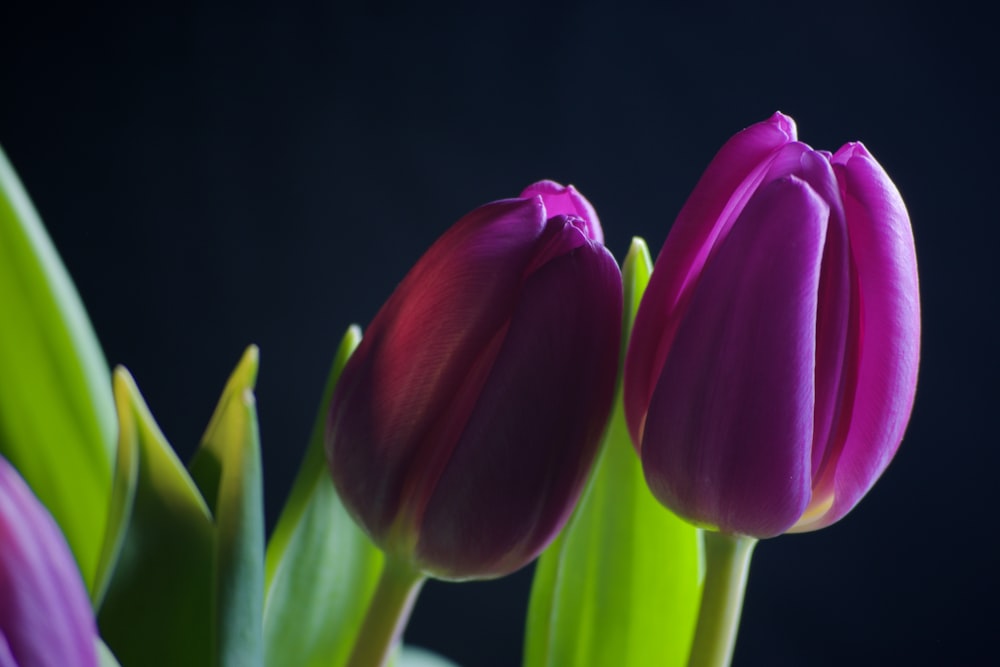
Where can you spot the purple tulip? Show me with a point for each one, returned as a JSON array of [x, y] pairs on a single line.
[[464, 425], [45, 617], [773, 363]]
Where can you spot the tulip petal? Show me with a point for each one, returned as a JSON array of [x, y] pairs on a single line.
[[724, 441], [834, 302], [6, 659], [424, 357], [730, 179], [45, 616], [887, 348], [515, 474], [813, 167], [566, 200]]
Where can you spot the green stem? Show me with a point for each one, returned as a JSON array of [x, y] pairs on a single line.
[[397, 590], [727, 563]]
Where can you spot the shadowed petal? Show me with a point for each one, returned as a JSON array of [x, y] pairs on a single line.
[[726, 440], [888, 336], [730, 179], [425, 355], [6, 659], [526, 450]]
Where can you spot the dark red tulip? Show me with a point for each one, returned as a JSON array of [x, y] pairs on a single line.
[[464, 425]]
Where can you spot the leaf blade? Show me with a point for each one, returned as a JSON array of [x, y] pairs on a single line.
[[625, 570], [57, 419], [321, 568], [227, 468], [156, 611]]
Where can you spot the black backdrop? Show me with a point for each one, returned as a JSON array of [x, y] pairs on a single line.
[[216, 175]]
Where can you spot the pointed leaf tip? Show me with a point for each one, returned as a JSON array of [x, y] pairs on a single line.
[[228, 469], [163, 550], [321, 569]]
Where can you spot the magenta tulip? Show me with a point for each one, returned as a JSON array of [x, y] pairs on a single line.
[[464, 425], [45, 617], [773, 363]]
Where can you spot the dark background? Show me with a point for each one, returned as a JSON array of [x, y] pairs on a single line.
[[219, 175]]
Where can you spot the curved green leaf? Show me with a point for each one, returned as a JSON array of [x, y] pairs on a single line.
[[227, 469], [57, 420], [126, 477], [321, 569], [157, 608], [621, 584]]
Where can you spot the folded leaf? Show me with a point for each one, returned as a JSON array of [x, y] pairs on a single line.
[[227, 469], [321, 569], [157, 608], [621, 584]]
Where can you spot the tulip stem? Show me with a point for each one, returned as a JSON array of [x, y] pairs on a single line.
[[382, 629], [727, 563]]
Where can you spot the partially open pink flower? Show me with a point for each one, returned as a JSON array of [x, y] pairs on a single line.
[[773, 363], [464, 425], [45, 617]]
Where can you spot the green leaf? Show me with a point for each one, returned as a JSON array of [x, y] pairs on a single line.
[[413, 656], [621, 585], [321, 569], [123, 489], [227, 469], [105, 658], [157, 607], [57, 420]]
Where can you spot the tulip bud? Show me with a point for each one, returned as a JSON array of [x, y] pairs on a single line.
[[45, 617], [772, 367], [464, 425]]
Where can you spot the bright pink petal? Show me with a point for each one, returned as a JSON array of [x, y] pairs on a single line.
[[887, 340], [520, 464], [565, 200], [422, 361], [730, 179], [45, 616], [726, 442]]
